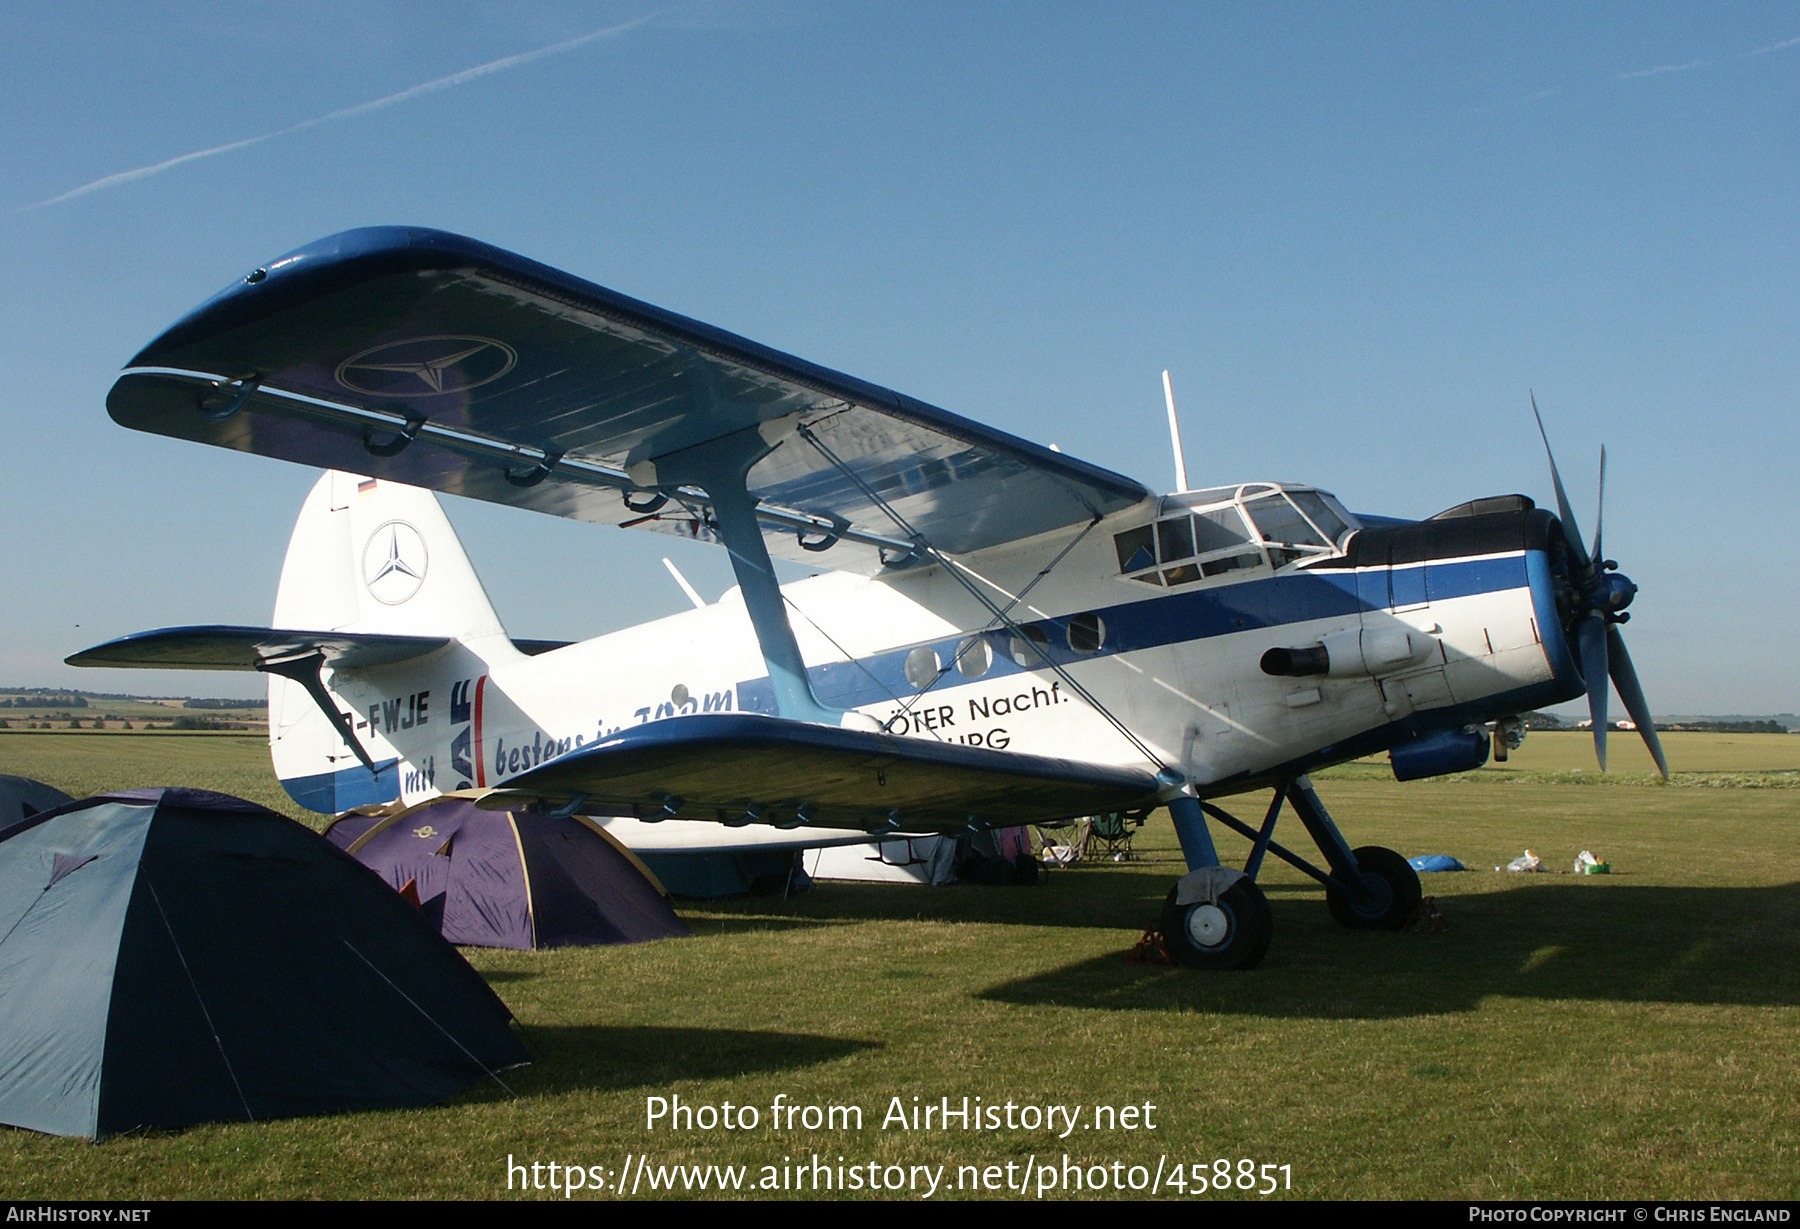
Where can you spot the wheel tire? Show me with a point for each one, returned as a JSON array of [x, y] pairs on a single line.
[[1232, 934], [1402, 896]]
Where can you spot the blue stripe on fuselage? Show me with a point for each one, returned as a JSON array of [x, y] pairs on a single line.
[[1176, 618], [334, 792]]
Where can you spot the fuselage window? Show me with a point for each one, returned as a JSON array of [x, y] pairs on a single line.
[[1087, 632], [973, 657], [1027, 647], [923, 667]]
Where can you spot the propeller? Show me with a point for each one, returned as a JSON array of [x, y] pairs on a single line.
[[1593, 608]]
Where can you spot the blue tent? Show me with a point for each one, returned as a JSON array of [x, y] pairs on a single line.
[[174, 956], [21, 798]]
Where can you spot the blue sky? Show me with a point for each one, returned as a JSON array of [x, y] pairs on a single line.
[[1356, 235]]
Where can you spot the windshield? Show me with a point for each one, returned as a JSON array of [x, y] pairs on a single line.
[[1193, 541]]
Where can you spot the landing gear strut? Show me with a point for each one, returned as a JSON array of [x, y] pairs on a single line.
[[1222, 920]]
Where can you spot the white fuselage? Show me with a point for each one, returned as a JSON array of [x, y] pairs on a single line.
[[918, 653]]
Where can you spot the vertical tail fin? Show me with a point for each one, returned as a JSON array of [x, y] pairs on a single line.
[[375, 556]]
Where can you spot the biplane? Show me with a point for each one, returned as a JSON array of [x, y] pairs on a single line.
[[1004, 634]]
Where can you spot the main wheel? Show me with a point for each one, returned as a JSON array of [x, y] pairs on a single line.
[[1391, 903], [1232, 934]]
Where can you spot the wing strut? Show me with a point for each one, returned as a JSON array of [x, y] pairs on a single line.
[[721, 468]]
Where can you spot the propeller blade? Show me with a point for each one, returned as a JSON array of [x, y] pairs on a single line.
[[1590, 638], [1625, 678], [1571, 534], [1600, 510]]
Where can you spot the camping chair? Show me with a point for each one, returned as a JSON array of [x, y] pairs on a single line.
[[1061, 843], [1109, 836]]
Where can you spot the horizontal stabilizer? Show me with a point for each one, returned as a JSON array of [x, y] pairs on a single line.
[[742, 768], [253, 648]]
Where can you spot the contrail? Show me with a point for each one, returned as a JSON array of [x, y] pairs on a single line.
[[1655, 71], [1664, 68], [428, 87], [1692, 64], [1781, 46]]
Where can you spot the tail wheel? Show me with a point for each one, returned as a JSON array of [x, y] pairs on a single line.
[[1232, 933], [1390, 901]]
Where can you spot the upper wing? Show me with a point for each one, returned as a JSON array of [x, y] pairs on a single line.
[[437, 361]]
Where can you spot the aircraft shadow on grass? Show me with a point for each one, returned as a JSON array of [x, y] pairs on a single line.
[[1557, 941], [1083, 899], [567, 1058]]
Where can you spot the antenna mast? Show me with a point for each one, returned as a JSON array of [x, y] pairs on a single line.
[[1181, 481]]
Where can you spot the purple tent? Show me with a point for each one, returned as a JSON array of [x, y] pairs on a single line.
[[511, 879]]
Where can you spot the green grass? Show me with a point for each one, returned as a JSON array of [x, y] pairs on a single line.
[[1631, 1036], [84, 762], [1705, 760]]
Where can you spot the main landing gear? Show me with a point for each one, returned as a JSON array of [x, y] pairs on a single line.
[[1217, 918]]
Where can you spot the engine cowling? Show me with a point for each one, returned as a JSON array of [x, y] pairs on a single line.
[[1355, 653]]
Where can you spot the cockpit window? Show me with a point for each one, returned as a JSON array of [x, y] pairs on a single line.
[[1246, 527], [1321, 514], [1219, 529], [1279, 521], [1178, 549], [1175, 538], [1137, 548]]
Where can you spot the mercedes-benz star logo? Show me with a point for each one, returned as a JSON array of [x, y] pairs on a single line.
[[394, 562], [426, 366]]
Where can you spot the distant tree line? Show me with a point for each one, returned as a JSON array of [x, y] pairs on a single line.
[[46, 699], [224, 703], [1726, 727], [1550, 721]]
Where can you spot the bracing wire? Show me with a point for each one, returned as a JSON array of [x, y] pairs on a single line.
[[958, 573]]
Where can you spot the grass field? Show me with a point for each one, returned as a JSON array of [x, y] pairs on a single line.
[[1581, 1037]]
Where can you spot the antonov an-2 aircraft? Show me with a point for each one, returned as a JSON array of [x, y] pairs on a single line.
[[1007, 634]]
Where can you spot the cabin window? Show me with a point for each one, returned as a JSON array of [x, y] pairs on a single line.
[[923, 667], [1087, 632], [1027, 647], [973, 657]]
